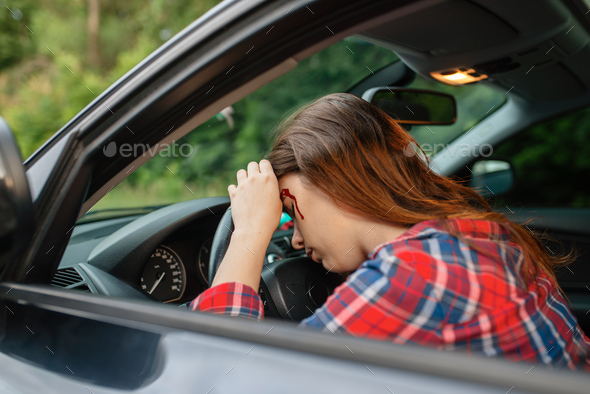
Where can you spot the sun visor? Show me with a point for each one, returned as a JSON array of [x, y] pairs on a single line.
[[452, 26], [554, 82]]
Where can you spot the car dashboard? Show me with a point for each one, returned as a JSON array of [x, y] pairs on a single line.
[[176, 271]]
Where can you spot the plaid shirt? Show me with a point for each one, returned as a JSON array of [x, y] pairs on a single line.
[[429, 288]]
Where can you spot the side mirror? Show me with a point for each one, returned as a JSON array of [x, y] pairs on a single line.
[[491, 177], [16, 205], [414, 106]]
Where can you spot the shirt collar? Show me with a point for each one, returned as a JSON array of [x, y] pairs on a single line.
[[469, 228]]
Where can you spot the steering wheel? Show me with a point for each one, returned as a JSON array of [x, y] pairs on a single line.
[[290, 289]]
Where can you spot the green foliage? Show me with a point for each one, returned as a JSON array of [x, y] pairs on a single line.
[[16, 39], [551, 163], [45, 75]]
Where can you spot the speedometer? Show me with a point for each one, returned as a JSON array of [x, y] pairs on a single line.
[[164, 276]]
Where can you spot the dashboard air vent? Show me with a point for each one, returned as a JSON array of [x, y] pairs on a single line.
[[67, 277]]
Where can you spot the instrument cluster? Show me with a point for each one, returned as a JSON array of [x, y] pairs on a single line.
[[177, 270]]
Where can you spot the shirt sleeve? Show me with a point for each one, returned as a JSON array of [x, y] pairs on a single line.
[[383, 298], [232, 299]]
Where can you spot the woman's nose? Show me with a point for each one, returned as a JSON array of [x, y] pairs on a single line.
[[297, 240]]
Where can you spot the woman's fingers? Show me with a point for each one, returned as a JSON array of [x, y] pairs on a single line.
[[255, 199], [242, 175], [266, 167], [253, 168]]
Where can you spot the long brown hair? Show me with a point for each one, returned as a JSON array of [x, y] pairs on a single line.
[[363, 159]]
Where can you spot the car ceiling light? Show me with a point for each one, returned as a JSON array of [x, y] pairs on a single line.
[[454, 77], [460, 76]]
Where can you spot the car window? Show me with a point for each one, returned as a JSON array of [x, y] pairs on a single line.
[[551, 162], [205, 161]]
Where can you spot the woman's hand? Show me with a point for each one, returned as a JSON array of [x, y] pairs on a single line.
[[256, 211], [255, 202]]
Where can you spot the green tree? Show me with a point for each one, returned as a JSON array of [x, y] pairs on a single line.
[[15, 37], [46, 73]]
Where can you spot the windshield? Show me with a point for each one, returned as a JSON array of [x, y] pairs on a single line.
[[205, 161]]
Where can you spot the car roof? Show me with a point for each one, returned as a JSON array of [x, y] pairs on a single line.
[[537, 48]]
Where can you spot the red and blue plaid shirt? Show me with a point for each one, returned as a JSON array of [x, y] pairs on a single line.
[[430, 288]]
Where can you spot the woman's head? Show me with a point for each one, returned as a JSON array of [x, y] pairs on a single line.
[[351, 167], [354, 162], [327, 232]]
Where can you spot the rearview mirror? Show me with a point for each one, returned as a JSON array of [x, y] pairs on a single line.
[[414, 106], [16, 205], [491, 177]]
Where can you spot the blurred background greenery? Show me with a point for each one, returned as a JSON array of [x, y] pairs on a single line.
[[56, 56]]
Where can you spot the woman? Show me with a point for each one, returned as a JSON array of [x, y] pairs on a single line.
[[430, 262]]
